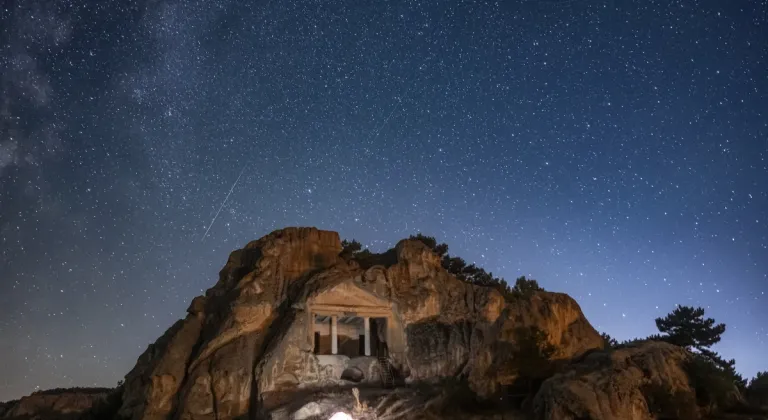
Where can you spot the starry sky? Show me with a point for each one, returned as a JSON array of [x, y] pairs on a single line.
[[614, 150]]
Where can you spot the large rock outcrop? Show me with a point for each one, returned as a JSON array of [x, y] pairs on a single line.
[[619, 385], [244, 343], [54, 404]]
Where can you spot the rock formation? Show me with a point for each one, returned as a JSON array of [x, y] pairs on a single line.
[[53, 404], [292, 317], [616, 385], [288, 313]]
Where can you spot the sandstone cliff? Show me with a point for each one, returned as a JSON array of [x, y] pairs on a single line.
[[248, 343]]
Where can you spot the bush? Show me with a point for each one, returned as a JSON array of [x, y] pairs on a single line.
[[526, 287], [348, 249], [107, 408], [687, 327], [533, 355], [76, 389], [530, 364], [471, 273], [757, 392], [608, 341], [431, 243], [714, 388]]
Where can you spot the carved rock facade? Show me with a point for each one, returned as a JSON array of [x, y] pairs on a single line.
[[284, 304]]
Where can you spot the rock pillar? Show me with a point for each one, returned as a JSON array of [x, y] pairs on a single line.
[[367, 326], [334, 335]]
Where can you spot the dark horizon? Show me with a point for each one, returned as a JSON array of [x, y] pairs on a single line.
[[616, 151]]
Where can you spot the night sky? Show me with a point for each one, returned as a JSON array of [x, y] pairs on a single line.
[[614, 150]]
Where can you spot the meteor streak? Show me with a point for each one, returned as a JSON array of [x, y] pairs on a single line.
[[223, 203]]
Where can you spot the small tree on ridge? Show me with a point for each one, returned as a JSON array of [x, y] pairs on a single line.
[[687, 327]]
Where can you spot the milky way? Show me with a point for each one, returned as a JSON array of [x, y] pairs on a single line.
[[614, 150]]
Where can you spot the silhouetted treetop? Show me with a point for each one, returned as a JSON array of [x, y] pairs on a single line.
[[757, 392], [526, 287], [350, 248], [610, 342], [431, 243], [687, 327]]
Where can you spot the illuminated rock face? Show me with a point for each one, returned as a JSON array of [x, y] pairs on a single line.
[[284, 300], [618, 384]]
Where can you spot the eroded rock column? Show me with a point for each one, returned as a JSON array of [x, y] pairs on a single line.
[[334, 335], [367, 328]]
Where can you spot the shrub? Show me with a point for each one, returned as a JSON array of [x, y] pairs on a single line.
[[714, 388], [348, 249], [526, 287], [687, 327], [757, 392], [533, 354], [107, 408], [608, 341]]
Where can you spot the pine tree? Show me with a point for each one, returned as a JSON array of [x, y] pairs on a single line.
[[726, 366], [760, 381], [349, 248], [610, 342], [757, 392], [526, 287], [687, 327]]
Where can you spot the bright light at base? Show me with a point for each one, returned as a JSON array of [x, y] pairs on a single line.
[[341, 416]]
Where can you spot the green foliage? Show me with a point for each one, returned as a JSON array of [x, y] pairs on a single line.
[[757, 391], [714, 388], [365, 258], [74, 390], [350, 248], [454, 265], [609, 342], [727, 367], [473, 274], [714, 378], [107, 408], [525, 287], [431, 243], [533, 353], [687, 327], [531, 363], [469, 273], [760, 381]]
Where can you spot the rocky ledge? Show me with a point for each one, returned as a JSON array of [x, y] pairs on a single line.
[[54, 404]]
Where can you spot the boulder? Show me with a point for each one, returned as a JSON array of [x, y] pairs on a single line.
[[352, 374], [623, 384]]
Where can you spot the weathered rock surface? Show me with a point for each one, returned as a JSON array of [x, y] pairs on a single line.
[[53, 404], [247, 338], [250, 347], [248, 344], [615, 385]]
